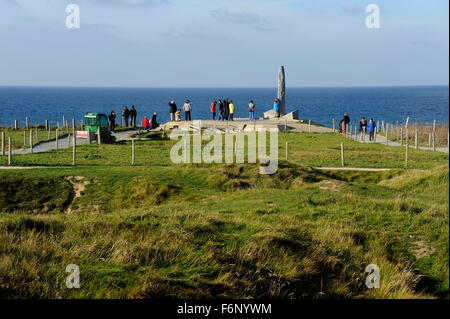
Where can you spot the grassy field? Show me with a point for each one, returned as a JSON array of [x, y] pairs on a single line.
[[159, 229], [17, 136]]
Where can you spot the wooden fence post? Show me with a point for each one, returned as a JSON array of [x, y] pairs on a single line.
[[382, 127], [401, 136], [342, 155], [74, 128], [429, 139], [99, 136], [37, 135], [24, 138], [3, 143], [287, 151], [16, 125], [434, 136], [375, 133], [49, 133], [334, 126], [88, 135], [46, 125], [123, 122], [31, 141], [406, 155], [416, 138], [285, 125], [64, 121], [57, 137], [387, 134], [132, 151], [74, 150], [9, 150]]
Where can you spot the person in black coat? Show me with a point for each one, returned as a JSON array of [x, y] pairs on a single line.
[[344, 123], [226, 109], [126, 115], [173, 110], [133, 115], [112, 121], [221, 110]]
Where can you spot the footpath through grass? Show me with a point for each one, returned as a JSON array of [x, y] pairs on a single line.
[[196, 230]]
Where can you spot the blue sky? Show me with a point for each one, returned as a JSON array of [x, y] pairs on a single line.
[[223, 43]]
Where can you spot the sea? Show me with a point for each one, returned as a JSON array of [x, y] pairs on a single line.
[[391, 104]]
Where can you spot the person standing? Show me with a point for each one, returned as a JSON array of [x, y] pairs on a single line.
[[133, 115], [126, 115], [221, 110], [187, 108], [344, 123], [154, 124], [231, 108], [226, 109], [276, 107], [213, 109], [362, 125], [112, 121], [251, 111], [173, 110], [371, 129]]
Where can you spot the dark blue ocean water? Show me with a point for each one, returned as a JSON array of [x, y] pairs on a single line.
[[391, 104]]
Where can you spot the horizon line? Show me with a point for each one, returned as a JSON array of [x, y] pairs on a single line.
[[218, 87]]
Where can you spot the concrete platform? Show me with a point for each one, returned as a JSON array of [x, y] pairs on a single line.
[[247, 125]]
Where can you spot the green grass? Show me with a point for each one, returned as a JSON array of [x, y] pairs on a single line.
[[196, 230]]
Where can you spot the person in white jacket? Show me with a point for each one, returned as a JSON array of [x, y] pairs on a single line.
[[187, 110]]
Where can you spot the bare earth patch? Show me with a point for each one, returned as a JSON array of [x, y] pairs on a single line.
[[331, 186], [78, 186], [422, 250]]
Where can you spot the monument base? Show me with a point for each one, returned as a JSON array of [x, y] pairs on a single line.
[[289, 116]]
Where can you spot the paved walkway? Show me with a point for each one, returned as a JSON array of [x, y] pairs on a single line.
[[63, 142]]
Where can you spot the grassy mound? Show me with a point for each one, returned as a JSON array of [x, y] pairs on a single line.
[[33, 195]]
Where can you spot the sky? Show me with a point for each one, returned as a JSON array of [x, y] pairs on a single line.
[[223, 43]]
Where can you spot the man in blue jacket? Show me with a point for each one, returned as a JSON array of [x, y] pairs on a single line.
[[276, 107], [371, 129]]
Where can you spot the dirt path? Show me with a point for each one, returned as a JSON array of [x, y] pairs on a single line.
[[353, 169], [382, 140]]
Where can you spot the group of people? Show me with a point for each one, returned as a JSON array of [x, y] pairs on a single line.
[[224, 110], [129, 116], [364, 126]]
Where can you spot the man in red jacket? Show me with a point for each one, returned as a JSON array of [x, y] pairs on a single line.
[[213, 109]]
